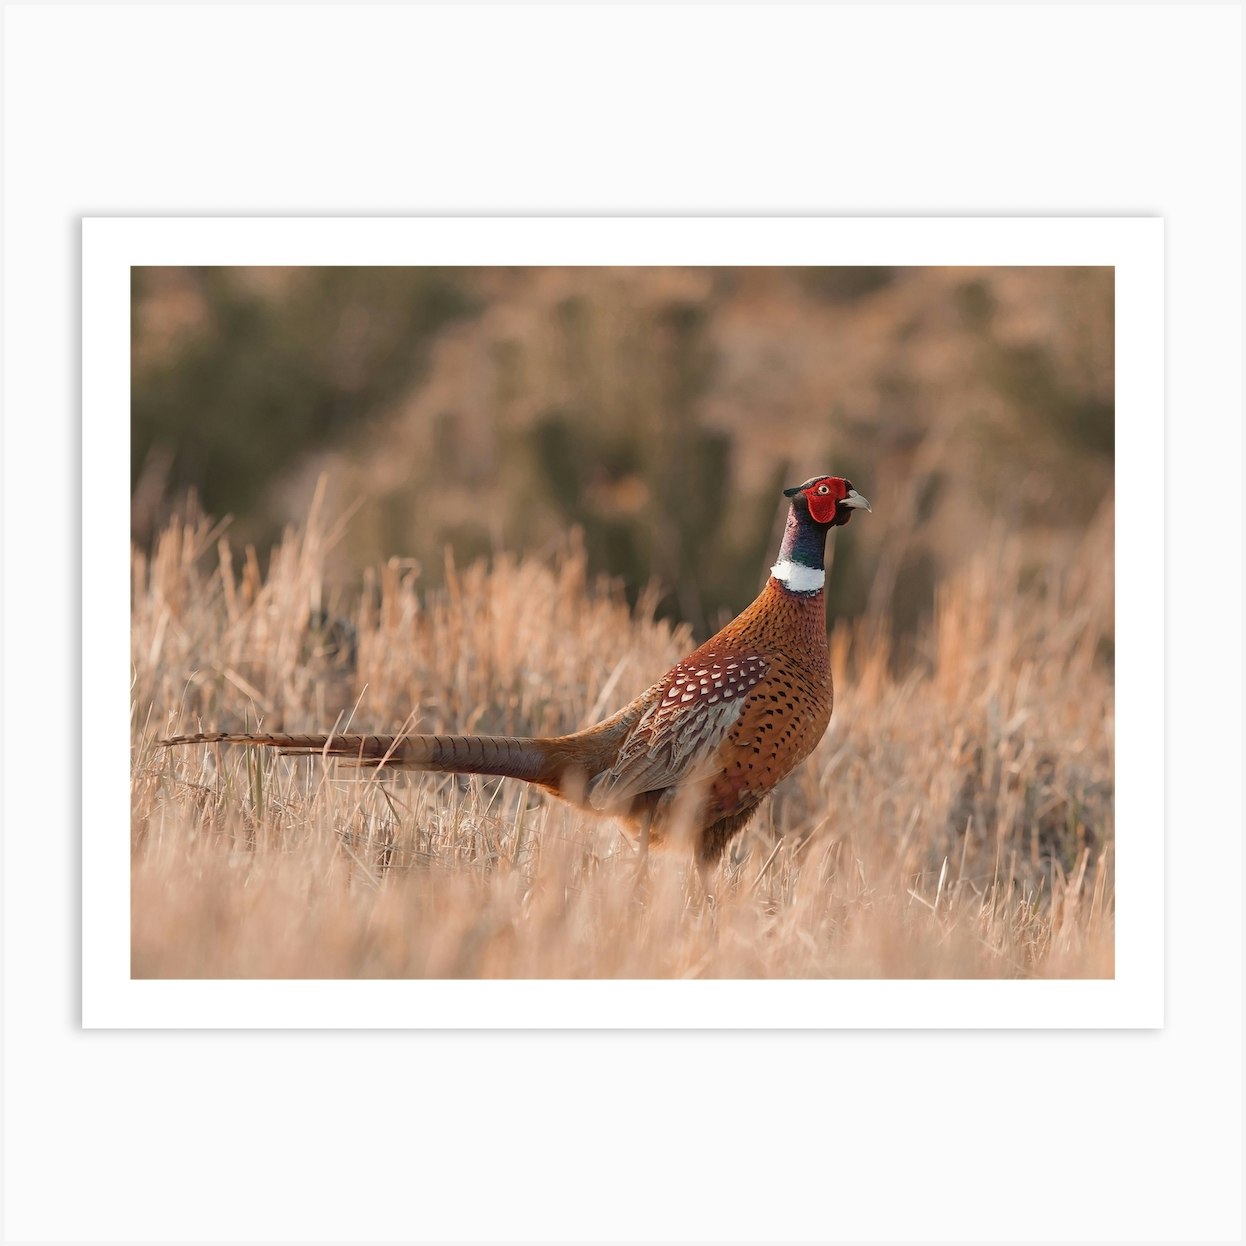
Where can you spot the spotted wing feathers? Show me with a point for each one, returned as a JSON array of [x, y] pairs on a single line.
[[677, 737]]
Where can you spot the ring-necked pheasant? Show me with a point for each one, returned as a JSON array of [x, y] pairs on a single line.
[[708, 742]]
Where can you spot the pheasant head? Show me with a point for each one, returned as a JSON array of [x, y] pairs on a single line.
[[820, 504]]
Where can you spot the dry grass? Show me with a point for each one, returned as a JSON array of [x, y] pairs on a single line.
[[957, 820]]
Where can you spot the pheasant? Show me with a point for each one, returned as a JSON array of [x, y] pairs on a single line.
[[702, 747]]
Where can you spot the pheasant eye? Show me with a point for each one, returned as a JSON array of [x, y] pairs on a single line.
[[824, 489]]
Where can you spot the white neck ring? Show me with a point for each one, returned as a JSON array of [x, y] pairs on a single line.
[[798, 578]]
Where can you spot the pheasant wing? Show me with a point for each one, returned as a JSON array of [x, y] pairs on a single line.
[[676, 740]]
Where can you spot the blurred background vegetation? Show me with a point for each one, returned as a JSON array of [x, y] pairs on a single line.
[[659, 410]]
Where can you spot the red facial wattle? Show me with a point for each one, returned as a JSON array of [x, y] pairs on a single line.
[[824, 497]]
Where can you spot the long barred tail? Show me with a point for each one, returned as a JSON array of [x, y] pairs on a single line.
[[509, 756]]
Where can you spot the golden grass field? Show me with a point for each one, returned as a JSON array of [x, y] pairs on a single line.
[[956, 820]]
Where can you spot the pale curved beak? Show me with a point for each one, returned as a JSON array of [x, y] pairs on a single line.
[[855, 499]]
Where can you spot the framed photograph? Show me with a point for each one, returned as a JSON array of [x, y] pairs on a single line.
[[622, 622]]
